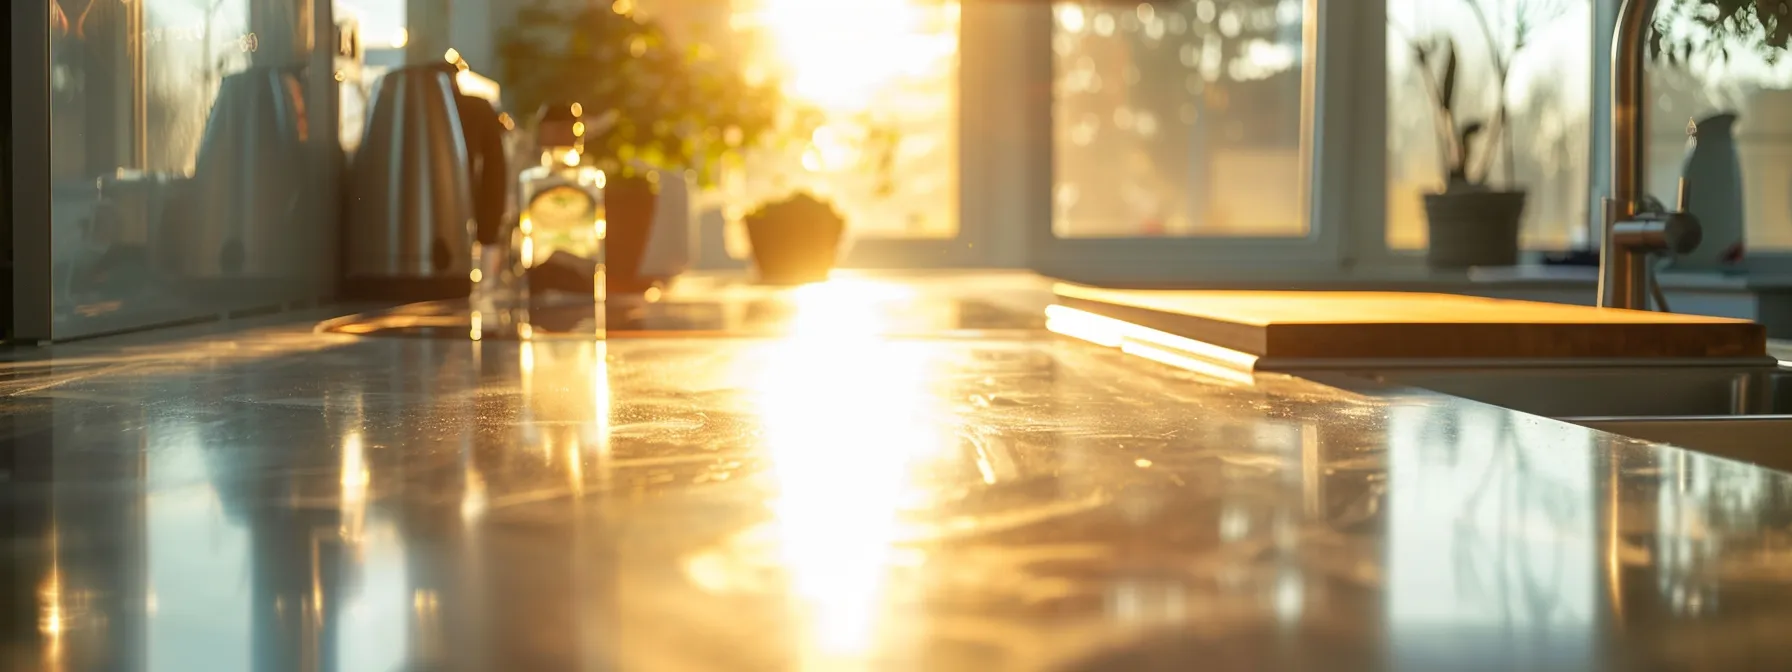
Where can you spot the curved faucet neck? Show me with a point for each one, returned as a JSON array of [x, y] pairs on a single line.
[[1630, 48], [1623, 272]]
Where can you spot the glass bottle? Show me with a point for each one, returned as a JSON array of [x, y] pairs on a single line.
[[560, 229]]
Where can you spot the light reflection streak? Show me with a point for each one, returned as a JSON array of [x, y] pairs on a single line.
[[1162, 347], [843, 55], [473, 500], [600, 417], [355, 478], [983, 467], [372, 621], [51, 618], [848, 416], [575, 470], [1102, 331], [189, 539], [844, 309], [40, 375], [1185, 362], [566, 406], [1202, 350], [1492, 527]]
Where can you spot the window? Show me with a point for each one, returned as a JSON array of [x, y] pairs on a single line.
[[1178, 119], [383, 31], [1548, 94], [879, 80], [382, 23], [1743, 84]]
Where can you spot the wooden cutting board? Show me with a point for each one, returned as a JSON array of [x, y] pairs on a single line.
[[1397, 325]]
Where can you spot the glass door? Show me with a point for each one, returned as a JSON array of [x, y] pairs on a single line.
[[184, 175]]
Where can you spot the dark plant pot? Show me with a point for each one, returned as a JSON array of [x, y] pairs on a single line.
[[629, 204], [795, 250], [1474, 228]]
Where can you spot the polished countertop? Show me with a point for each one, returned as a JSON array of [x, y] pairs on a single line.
[[841, 495]]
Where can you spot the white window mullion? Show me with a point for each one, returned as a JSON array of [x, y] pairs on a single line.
[[1348, 47]]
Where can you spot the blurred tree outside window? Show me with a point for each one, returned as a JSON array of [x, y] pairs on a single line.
[[1178, 119], [1716, 56]]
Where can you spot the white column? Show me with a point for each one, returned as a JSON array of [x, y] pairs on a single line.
[[1005, 167], [1348, 148], [429, 25], [474, 31]]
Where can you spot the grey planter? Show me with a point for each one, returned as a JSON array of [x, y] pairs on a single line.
[[1474, 228]]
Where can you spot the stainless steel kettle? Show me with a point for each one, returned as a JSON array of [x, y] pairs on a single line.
[[409, 199], [248, 180]]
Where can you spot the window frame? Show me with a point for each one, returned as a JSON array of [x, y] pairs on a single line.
[[1333, 35]]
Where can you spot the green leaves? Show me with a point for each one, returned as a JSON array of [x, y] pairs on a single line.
[[670, 100], [1713, 29]]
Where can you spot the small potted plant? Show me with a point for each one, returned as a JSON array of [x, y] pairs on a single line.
[[795, 240], [1470, 223]]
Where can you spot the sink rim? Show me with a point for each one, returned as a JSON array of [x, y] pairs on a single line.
[[1762, 417], [1606, 392]]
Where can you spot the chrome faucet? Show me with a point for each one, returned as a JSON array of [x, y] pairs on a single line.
[[1634, 231]]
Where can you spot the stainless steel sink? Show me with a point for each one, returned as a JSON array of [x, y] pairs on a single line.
[[1763, 440], [1613, 391], [1742, 413]]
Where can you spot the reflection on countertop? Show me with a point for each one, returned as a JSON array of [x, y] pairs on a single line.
[[730, 305], [843, 497]]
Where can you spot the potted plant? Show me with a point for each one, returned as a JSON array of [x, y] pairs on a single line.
[[795, 240], [669, 112], [1470, 221]]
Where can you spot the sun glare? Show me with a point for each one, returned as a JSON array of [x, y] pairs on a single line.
[[842, 55]]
